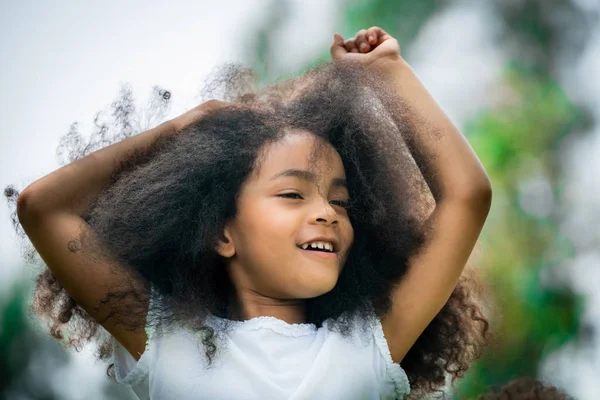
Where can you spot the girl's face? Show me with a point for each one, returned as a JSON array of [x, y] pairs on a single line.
[[288, 203]]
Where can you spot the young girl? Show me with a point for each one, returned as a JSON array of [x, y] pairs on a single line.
[[302, 241]]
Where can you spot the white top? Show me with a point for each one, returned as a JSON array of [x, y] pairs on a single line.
[[265, 358]]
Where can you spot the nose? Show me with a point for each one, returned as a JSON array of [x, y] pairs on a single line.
[[327, 221], [325, 214]]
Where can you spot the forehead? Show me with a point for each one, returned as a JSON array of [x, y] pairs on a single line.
[[300, 150]]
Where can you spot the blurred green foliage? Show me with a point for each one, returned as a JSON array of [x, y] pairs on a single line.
[[26, 357], [518, 140]]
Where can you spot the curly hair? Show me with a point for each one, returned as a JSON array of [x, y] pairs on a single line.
[[525, 389], [160, 217]]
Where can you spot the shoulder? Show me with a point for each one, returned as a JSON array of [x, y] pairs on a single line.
[[362, 340]]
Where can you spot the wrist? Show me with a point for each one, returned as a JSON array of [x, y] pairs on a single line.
[[391, 68]]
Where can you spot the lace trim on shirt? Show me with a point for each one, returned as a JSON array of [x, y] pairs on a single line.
[[267, 322], [394, 371]]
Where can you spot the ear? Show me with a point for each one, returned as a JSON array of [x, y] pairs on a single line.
[[225, 246]]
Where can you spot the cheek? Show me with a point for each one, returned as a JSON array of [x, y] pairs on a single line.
[[268, 230], [347, 233], [274, 221]]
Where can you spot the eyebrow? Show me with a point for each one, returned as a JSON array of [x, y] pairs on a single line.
[[307, 176]]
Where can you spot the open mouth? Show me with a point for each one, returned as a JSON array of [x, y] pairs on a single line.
[[322, 247], [317, 249]]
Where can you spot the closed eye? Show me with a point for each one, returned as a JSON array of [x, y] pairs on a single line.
[[296, 196], [291, 196], [340, 203]]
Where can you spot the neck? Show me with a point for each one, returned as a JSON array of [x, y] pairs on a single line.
[[251, 304]]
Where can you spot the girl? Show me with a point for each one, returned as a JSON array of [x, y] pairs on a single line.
[[303, 241]]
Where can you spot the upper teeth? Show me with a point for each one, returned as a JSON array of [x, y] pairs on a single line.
[[318, 245]]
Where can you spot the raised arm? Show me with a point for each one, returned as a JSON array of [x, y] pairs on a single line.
[[457, 179], [73, 187], [463, 195], [51, 213]]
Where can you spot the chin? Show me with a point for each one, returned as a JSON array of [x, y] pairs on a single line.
[[318, 288]]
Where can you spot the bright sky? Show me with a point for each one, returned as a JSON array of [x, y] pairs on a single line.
[[63, 61]]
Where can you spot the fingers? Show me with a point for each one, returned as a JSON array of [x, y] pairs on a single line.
[[364, 41], [350, 45], [374, 34], [337, 48], [367, 39]]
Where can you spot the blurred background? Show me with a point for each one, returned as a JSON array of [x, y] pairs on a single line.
[[519, 77]]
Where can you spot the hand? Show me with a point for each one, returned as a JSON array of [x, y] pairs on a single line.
[[197, 113], [373, 48]]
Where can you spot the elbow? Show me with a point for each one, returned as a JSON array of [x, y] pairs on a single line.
[[481, 192], [483, 201], [22, 205], [25, 210], [477, 196]]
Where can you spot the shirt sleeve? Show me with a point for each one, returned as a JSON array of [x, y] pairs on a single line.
[[390, 372], [128, 371]]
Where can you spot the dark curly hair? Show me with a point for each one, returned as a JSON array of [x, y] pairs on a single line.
[[525, 389], [160, 217]]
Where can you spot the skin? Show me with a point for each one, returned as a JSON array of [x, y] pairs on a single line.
[[463, 193], [272, 276]]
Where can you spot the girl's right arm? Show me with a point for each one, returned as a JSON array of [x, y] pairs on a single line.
[[50, 211]]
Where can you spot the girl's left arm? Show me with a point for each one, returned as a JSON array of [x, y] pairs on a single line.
[[458, 182], [463, 194]]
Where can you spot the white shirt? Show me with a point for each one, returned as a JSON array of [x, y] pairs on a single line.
[[265, 358]]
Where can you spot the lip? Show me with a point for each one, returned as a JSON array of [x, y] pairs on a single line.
[[319, 254]]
